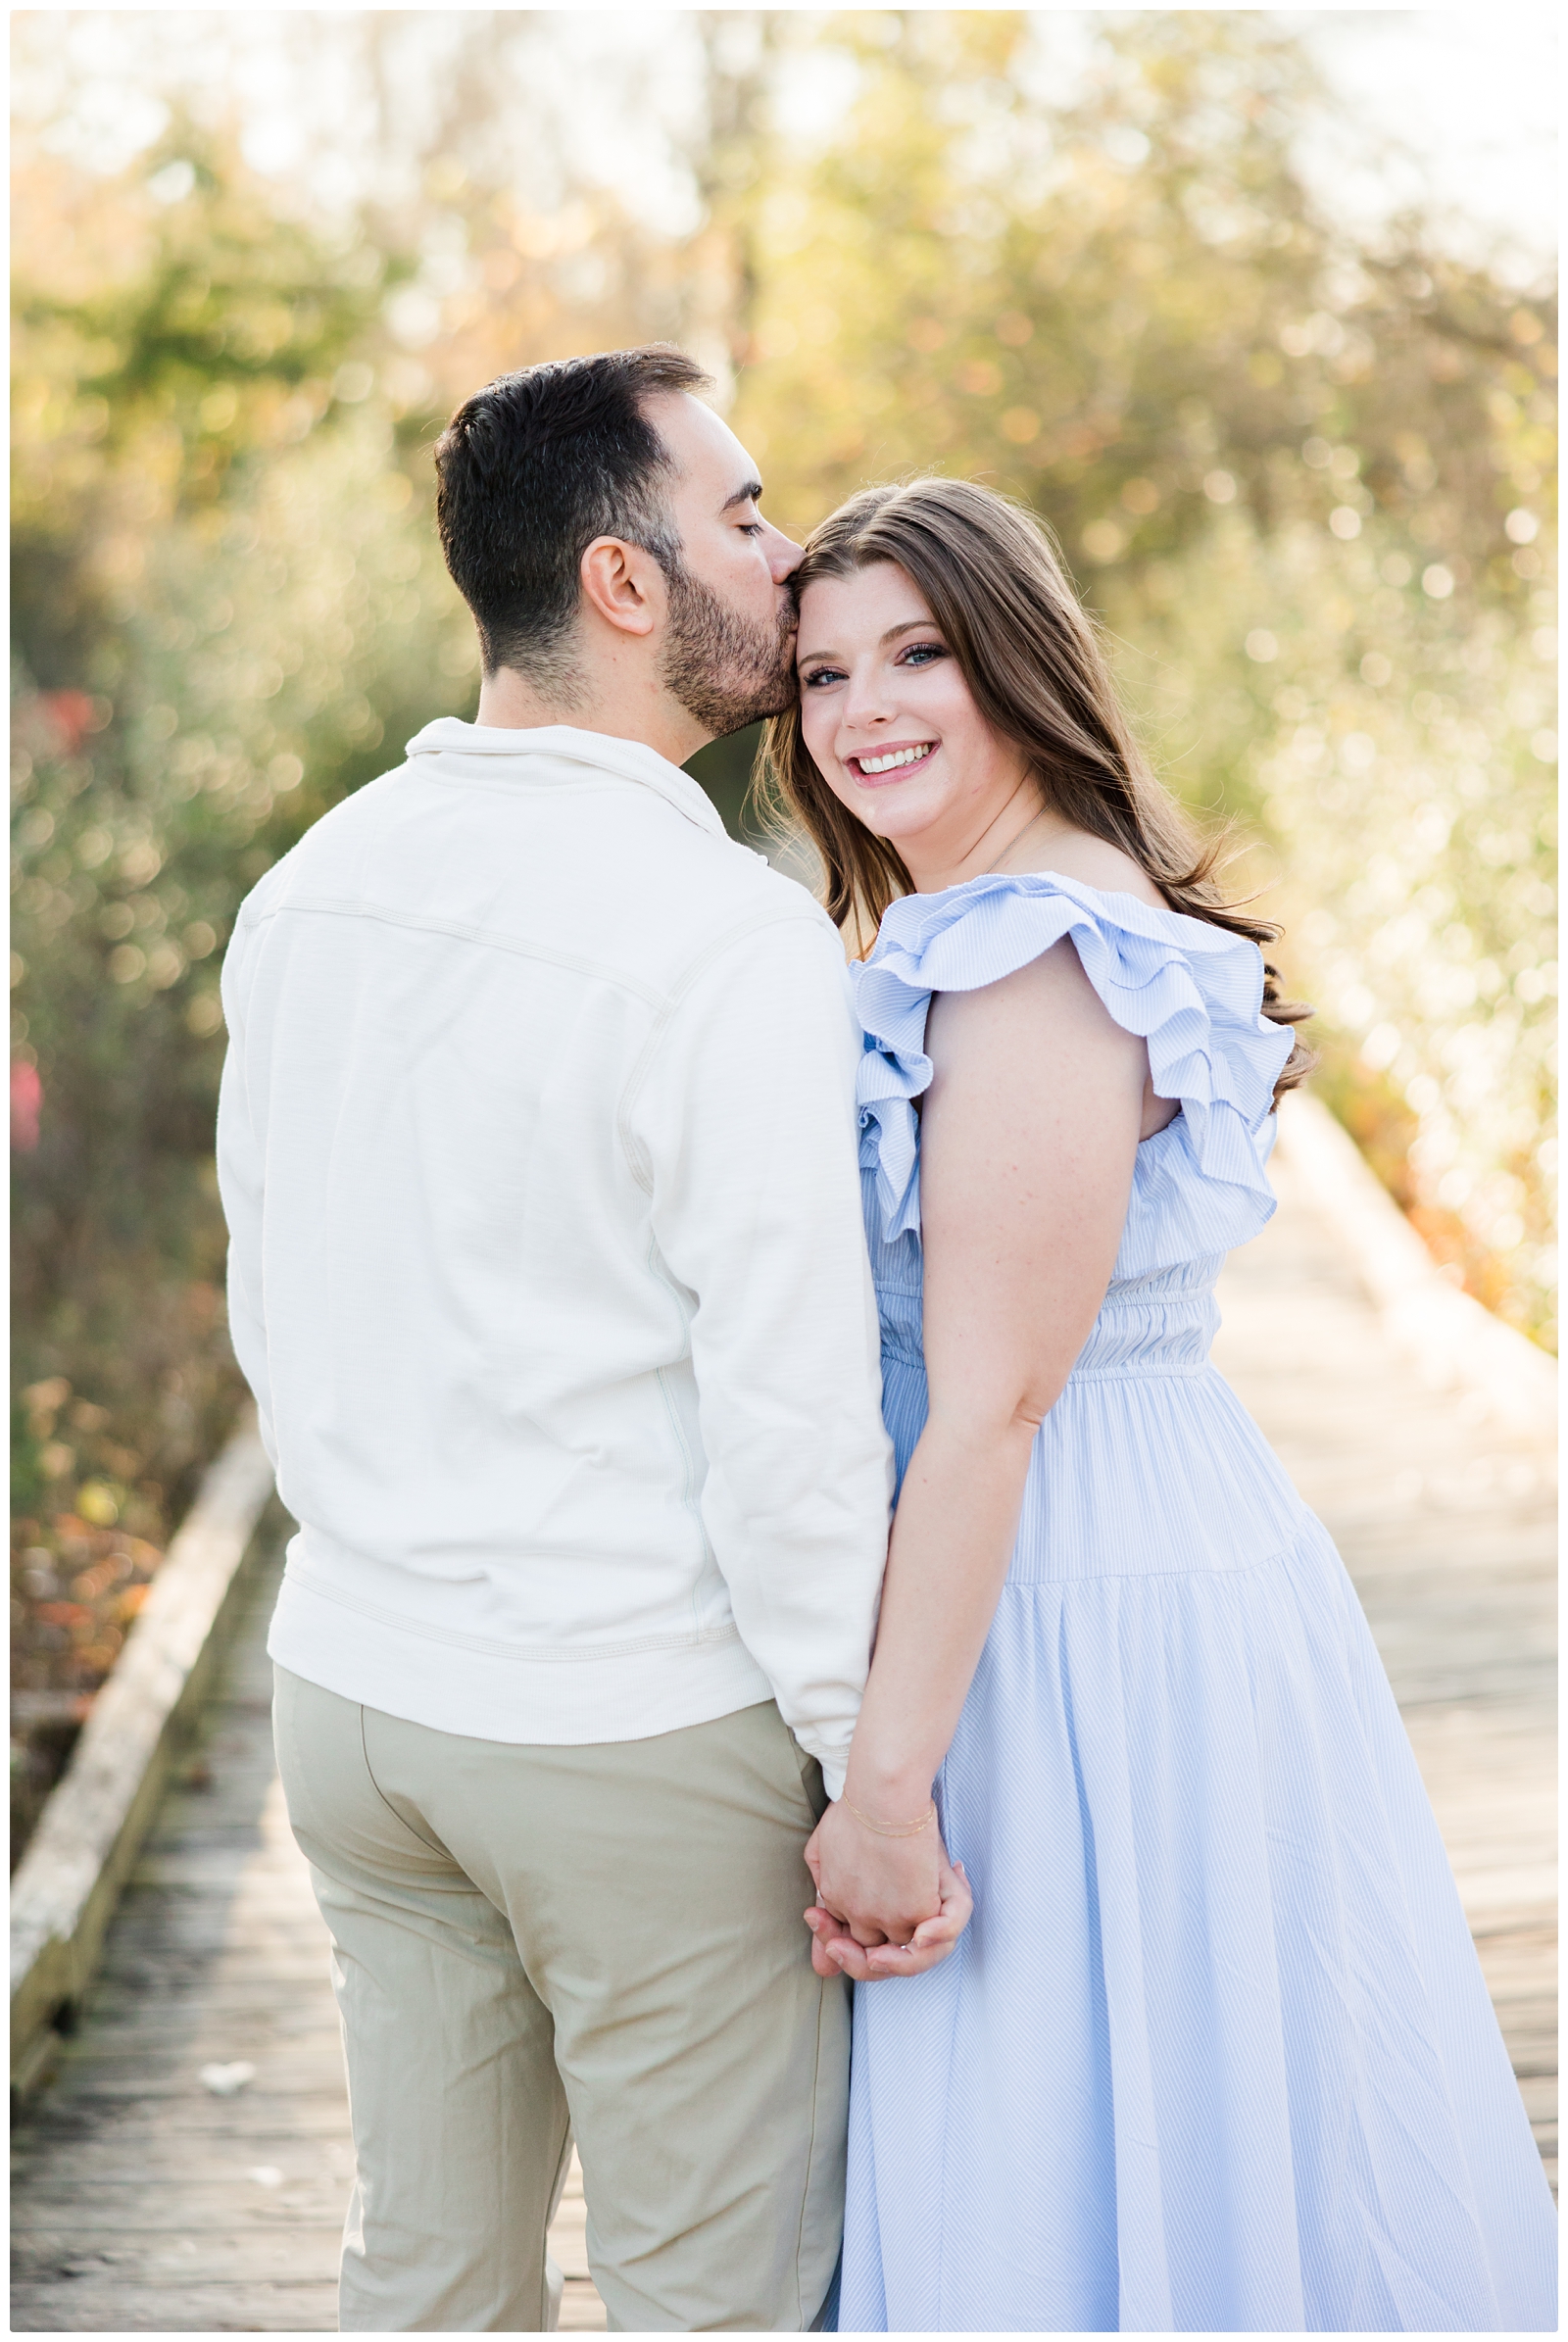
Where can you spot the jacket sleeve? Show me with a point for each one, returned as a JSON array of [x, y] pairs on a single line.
[[742, 1126], [241, 1158]]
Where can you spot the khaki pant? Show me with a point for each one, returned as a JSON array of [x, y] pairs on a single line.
[[531, 1942]]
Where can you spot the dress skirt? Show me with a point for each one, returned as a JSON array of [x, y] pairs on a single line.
[[1215, 2052]]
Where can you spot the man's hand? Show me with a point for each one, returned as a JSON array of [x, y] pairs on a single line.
[[899, 1893], [837, 1953]]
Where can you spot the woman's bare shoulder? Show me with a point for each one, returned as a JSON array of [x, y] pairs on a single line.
[[1026, 1019], [1074, 853]]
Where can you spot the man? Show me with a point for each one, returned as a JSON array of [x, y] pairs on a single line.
[[538, 1152]]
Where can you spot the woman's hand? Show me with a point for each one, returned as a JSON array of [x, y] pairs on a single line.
[[879, 1886], [835, 1953]]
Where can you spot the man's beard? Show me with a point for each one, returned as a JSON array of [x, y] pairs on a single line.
[[725, 672]]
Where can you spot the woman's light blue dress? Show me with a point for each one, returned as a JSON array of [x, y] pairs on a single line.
[[1215, 2053]]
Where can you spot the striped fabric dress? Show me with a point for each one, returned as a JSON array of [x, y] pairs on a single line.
[[1215, 2053]]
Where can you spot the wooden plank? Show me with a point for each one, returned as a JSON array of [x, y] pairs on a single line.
[[93, 1823], [108, 2307], [1442, 1502]]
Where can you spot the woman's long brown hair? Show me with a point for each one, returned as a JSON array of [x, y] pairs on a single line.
[[1034, 666]]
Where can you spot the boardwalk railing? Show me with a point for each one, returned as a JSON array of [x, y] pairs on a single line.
[[92, 1826], [1452, 1340]]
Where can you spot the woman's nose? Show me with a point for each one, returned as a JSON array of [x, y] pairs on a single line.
[[866, 699]]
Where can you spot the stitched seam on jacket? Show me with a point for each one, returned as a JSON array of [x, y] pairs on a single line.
[[529, 1653], [610, 786], [609, 779], [346, 907], [689, 1498]]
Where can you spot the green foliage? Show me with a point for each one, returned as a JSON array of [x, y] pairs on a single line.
[[202, 334]]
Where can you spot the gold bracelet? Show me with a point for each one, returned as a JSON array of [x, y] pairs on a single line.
[[895, 1829]]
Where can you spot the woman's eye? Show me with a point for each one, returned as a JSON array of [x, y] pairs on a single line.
[[822, 674], [750, 528], [922, 654]]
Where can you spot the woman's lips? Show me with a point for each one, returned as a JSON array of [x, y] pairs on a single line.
[[873, 768]]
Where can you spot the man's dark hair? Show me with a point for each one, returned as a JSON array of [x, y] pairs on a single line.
[[530, 470]]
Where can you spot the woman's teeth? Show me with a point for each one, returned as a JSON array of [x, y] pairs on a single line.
[[895, 757]]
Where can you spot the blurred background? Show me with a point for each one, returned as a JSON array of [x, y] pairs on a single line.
[[1256, 308]]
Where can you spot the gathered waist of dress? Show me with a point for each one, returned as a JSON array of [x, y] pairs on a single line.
[[1124, 1349], [1154, 1327], [1148, 1363]]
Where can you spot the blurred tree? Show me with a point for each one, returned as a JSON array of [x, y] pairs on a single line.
[[166, 332]]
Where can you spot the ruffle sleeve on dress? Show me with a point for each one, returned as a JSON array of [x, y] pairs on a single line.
[[1192, 991]]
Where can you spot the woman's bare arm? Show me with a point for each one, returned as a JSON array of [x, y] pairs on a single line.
[[1028, 1140]]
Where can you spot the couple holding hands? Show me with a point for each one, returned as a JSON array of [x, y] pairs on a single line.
[[610, 1266]]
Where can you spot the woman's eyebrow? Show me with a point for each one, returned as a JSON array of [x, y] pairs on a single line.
[[892, 635]]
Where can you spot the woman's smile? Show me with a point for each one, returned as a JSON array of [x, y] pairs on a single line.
[[873, 768]]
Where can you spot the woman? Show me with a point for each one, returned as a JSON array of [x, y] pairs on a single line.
[[1215, 2053]]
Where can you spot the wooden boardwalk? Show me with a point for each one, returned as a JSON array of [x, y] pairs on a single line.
[[144, 2202]]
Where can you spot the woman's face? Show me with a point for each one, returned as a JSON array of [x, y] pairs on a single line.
[[888, 720]]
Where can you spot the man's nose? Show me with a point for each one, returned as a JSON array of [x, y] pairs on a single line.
[[783, 556]]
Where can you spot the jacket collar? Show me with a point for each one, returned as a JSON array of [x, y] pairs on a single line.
[[597, 751]]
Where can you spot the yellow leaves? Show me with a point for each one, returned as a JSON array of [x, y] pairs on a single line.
[[97, 1504], [119, 560], [219, 408]]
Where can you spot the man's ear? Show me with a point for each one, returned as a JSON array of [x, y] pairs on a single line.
[[624, 584]]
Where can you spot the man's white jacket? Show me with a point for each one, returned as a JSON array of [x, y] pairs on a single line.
[[538, 1150]]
